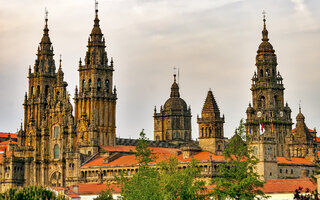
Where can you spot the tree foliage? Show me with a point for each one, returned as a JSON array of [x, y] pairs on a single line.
[[27, 193], [237, 178], [144, 184], [181, 183], [168, 182], [105, 195]]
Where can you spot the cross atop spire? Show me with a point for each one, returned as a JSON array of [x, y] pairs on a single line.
[[264, 15], [264, 31], [46, 14], [300, 106], [96, 5], [60, 61]]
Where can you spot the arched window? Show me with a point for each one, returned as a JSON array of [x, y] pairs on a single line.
[[107, 85], [83, 84], [185, 135], [57, 95], [202, 132], [275, 100], [99, 84], [267, 72], [38, 90], [31, 91], [89, 84], [219, 147], [157, 138], [261, 73], [262, 101], [56, 132], [56, 151], [210, 131], [46, 90], [255, 150]]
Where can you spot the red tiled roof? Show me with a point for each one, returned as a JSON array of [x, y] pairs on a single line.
[[7, 142], [58, 188], [287, 185], [124, 148], [131, 159], [294, 161], [202, 156], [6, 135], [73, 195], [318, 139], [85, 189]]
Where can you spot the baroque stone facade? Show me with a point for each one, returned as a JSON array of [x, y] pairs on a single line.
[[269, 123], [56, 148]]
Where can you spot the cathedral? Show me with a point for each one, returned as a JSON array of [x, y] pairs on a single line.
[[65, 145]]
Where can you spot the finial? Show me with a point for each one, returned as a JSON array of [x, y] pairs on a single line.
[[174, 77], [210, 89], [299, 106], [264, 31], [80, 61], [60, 61], [96, 6], [46, 15]]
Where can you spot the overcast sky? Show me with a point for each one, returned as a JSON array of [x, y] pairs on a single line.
[[213, 42]]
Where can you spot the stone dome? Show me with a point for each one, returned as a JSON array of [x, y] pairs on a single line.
[[175, 103], [265, 47]]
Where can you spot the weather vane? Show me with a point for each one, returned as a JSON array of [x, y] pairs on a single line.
[[96, 4], [46, 11]]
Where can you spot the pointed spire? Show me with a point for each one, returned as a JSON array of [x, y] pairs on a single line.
[[264, 31], [96, 27], [265, 47], [210, 106], [175, 88], [60, 62], [45, 38]]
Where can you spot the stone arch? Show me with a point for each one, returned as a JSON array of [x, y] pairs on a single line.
[[55, 179], [98, 84], [107, 85]]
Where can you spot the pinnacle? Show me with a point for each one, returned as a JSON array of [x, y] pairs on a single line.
[[210, 105]]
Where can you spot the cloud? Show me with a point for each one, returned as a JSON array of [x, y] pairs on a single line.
[[304, 19]]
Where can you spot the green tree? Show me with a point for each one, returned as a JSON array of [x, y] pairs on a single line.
[[145, 184], [27, 193], [181, 183], [237, 178], [105, 195]]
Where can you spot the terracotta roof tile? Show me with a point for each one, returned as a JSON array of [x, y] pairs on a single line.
[[294, 161], [73, 195], [131, 159], [6, 135], [287, 185], [125, 148], [7, 142], [86, 189]]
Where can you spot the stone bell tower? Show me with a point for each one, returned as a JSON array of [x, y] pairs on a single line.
[[268, 119], [95, 102], [211, 137]]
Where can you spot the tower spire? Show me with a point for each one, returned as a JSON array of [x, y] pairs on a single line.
[[175, 88], [264, 31]]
